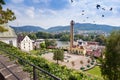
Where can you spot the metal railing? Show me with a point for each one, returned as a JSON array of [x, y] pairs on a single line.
[[53, 77]]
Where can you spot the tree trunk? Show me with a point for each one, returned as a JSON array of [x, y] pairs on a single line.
[[57, 61]]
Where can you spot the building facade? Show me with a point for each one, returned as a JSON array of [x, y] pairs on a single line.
[[25, 43], [8, 36], [37, 43]]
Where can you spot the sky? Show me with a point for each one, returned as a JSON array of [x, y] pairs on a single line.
[[49, 13]]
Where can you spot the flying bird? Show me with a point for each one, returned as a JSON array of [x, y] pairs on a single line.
[[102, 15], [71, 1], [111, 9], [83, 11], [103, 9], [98, 6]]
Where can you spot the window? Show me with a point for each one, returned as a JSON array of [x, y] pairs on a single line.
[[29, 44], [11, 42]]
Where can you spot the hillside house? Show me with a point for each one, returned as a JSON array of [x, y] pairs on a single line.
[[25, 43], [8, 36], [37, 43]]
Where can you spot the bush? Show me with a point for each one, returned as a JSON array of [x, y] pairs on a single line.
[[88, 66], [92, 63], [82, 68]]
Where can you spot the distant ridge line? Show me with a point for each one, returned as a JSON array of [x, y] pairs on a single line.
[[77, 27]]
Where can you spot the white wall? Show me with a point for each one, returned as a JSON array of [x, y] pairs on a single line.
[[26, 44], [7, 40]]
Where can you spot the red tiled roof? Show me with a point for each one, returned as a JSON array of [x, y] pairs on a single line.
[[92, 43], [96, 53], [51, 47]]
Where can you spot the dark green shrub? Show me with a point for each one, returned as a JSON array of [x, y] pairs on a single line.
[[88, 66], [82, 68], [92, 63]]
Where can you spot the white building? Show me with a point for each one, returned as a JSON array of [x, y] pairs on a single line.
[[9, 36], [37, 43], [25, 43]]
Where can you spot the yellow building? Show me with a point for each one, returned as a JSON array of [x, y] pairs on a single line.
[[78, 50]]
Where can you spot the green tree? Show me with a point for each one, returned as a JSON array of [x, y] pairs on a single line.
[[32, 36], [5, 16], [50, 43], [77, 37], [101, 39], [87, 38], [58, 55], [2, 29], [59, 35], [81, 62], [111, 63], [65, 37], [42, 45], [44, 35]]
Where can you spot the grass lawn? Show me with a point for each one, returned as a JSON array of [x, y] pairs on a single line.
[[34, 51], [95, 71], [40, 51]]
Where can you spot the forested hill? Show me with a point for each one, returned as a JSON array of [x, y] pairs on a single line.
[[85, 26], [28, 28], [77, 27]]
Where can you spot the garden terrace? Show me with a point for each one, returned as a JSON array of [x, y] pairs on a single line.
[[60, 71]]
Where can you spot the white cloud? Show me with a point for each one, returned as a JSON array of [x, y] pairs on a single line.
[[17, 1], [41, 1], [30, 12], [48, 17], [36, 1], [47, 12]]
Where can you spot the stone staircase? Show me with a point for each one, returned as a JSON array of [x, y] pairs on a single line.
[[15, 68]]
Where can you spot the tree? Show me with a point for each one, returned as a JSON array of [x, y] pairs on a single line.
[[81, 62], [5, 16], [77, 37], [111, 63], [101, 39], [65, 37], [44, 35], [60, 35], [58, 55], [2, 29], [73, 63], [32, 36], [50, 43], [42, 45]]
